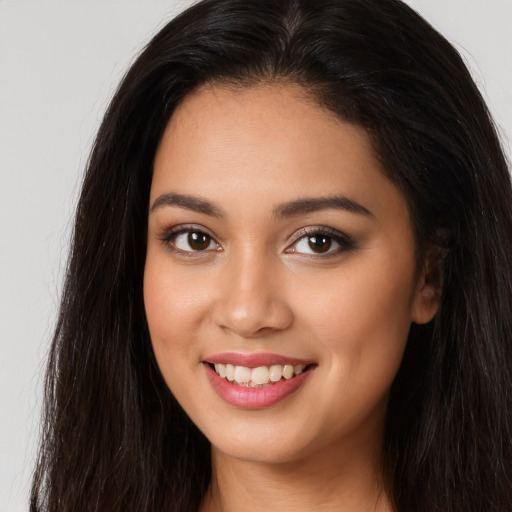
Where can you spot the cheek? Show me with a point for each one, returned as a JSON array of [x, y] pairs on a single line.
[[174, 310], [361, 320], [172, 297]]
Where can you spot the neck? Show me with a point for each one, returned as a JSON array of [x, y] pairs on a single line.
[[336, 479]]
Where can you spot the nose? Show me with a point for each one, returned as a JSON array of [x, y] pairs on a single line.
[[252, 301]]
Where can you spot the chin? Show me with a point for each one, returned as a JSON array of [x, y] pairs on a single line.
[[260, 449], [266, 441]]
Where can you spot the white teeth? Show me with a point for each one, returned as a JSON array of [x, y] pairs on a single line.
[[242, 374], [220, 369], [260, 376], [287, 371], [230, 372], [276, 372], [298, 369]]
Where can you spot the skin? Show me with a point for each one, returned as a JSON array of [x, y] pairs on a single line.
[[259, 287]]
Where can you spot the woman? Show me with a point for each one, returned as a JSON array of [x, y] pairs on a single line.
[[290, 281]]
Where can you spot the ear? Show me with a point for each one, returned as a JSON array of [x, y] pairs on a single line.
[[429, 286]]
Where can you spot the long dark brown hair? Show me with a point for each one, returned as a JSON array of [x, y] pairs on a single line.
[[113, 436]]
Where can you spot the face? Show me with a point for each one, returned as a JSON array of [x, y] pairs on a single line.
[[280, 280]]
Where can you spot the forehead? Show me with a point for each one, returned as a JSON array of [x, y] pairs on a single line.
[[267, 141]]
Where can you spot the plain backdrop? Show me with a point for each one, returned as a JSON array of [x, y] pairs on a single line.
[[59, 64]]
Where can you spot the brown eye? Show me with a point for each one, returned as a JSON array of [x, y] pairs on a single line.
[[319, 243], [193, 241], [198, 241]]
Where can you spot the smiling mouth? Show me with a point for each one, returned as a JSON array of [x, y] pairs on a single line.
[[259, 377]]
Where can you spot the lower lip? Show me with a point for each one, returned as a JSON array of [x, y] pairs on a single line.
[[254, 398]]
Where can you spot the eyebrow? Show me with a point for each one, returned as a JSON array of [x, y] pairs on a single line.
[[314, 204], [290, 209], [187, 202]]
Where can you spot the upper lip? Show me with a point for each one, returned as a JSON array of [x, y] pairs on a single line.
[[255, 360]]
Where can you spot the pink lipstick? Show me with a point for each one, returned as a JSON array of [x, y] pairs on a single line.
[[274, 377]]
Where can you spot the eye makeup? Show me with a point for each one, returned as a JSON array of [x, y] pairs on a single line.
[[320, 242], [197, 237], [314, 242]]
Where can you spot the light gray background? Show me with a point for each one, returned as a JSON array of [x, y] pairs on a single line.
[[59, 64]]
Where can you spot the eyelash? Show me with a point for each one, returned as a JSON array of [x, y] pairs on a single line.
[[170, 235], [344, 242]]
